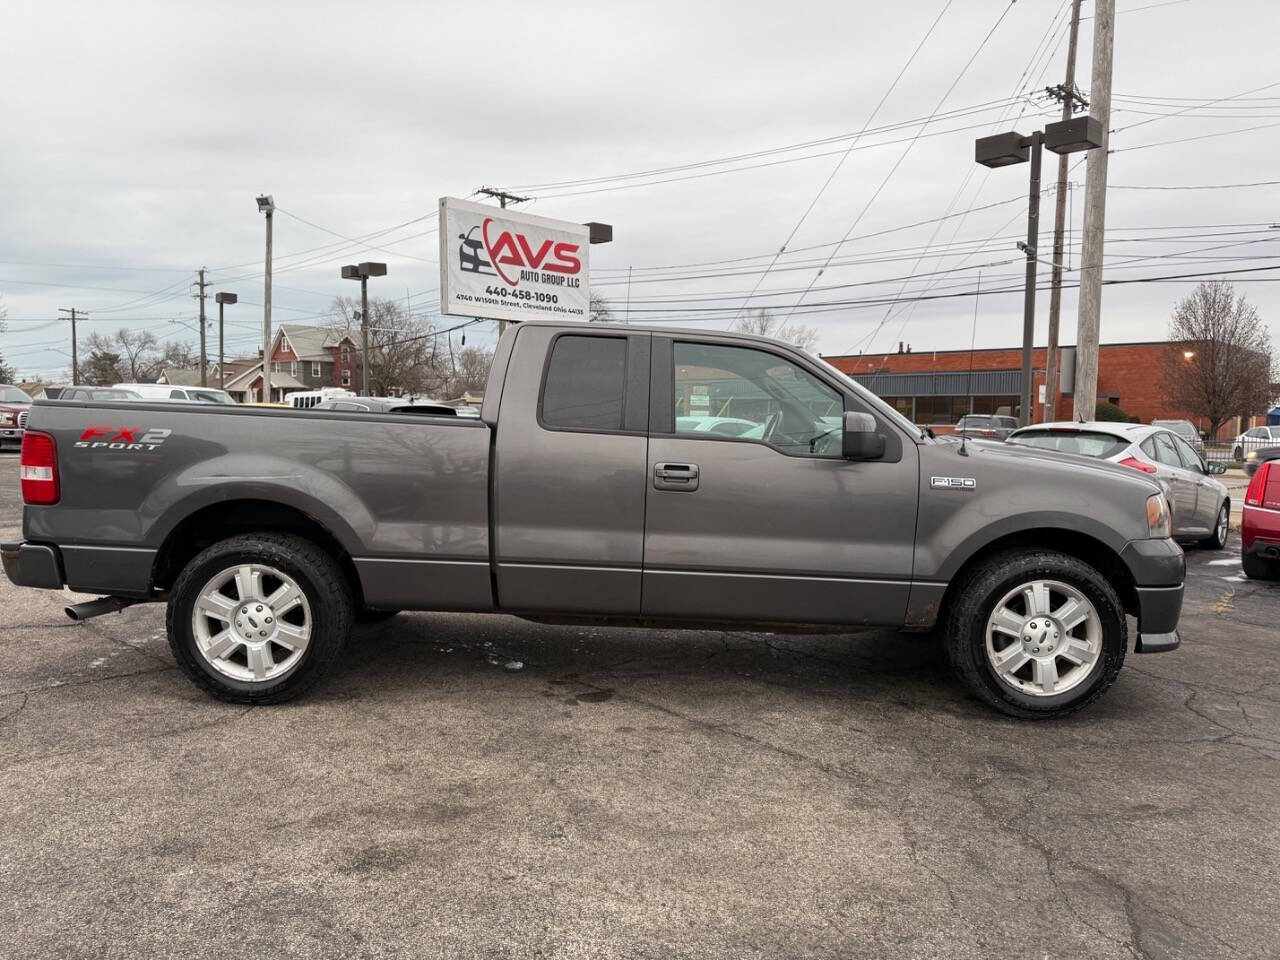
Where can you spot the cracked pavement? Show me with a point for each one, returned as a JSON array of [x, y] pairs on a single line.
[[632, 793]]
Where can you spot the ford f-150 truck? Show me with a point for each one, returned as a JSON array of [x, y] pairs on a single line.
[[586, 492]]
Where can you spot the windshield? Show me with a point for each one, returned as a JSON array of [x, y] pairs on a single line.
[[113, 394], [210, 396], [13, 395], [884, 409], [1086, 443]]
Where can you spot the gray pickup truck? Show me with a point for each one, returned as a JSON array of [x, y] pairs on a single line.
[[589, 491]]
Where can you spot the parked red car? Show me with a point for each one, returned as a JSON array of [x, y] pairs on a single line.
[[13, 405], [1260, 527]]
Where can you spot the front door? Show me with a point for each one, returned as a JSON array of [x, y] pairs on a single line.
[[752, 513], [569, 473], [1183, 486]]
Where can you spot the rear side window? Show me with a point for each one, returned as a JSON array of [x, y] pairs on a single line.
[[1086, 443], [586, 381]]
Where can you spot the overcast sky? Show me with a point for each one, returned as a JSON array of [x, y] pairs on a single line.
[[139, 134]]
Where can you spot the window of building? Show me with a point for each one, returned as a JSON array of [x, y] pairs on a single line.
[[293, 368], [315, 368], [586, 379], [750, 394], [346, 354], [346, 378], [275, 366]]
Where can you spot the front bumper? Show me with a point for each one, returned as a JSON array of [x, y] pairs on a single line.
[[1158, 568], [11, 435], [32, 565]]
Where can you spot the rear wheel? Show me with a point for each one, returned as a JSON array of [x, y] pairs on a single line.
[[1036, 633], [1260, 568], [1237, 453], [1221, 528], [259, 618]]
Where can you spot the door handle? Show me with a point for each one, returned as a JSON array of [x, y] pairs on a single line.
[[675, 476]]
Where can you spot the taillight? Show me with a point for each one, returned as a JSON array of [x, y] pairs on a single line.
[[988, 433], [1253, 497], [1134, 463], [38, 469]]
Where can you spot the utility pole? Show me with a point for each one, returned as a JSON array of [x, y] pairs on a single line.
[[1029, 287], [204, 362], [1095, 205], [75, 363], [1070, 97], [267, 206], [502, 197]]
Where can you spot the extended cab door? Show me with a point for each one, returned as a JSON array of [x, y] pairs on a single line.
[[569, 472], [752, 512]]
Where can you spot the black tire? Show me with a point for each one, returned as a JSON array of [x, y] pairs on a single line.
[[1260, 568], [981, 588], [1237, 453], [1221, 531], [321, 580], [370, 615]]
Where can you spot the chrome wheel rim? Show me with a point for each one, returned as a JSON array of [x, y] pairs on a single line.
[[1044, 638], [1223, 521], [251, 623]]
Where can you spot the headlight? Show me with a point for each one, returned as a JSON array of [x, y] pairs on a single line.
[[1158, 517], [1251, 455]]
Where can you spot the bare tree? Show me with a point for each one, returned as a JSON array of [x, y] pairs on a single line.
[[404, 354], [601, 311], [471, 372], [7, 373], [762, 323], [137, 359], [1218, 364], [182, 354]]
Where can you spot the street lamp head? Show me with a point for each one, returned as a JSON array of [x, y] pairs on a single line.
[[225, 298], [1002, 150], [351, 272], [1074, 135], [600, 232], [368, 269], [266, 204]]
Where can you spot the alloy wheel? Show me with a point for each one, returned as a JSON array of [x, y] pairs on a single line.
[[1043, 638], [251, 622]]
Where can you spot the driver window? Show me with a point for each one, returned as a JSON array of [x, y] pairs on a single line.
[[736, 392], [1190, 459]]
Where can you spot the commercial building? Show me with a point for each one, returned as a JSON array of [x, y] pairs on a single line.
[[937, 388]]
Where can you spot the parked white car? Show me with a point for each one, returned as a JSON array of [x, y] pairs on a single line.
[[165, 391], [1201, 506], [1254, 438]]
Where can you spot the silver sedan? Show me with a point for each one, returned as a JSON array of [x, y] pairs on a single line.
[[1200, 504]]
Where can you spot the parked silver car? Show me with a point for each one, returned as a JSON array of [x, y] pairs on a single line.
[[1255, 438], [1201, 505], [986, 426]]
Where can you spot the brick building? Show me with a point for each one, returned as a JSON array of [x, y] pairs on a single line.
[[937, 387], [302, 358]]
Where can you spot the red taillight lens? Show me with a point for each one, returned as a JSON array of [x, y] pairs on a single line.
[[988, 433], [1134, 463], [38, 469], [1254, 495]]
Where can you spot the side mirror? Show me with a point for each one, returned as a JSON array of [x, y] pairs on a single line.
[[861, 442], [1217, 468]]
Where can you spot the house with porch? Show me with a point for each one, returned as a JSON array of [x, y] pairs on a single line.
[[302, 358]]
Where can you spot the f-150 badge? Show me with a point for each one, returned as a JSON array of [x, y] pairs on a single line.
[[954, 483]]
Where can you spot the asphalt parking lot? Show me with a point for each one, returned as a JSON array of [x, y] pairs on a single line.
[[634, 794]]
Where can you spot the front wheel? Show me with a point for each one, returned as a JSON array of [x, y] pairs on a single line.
[[1221, 528], [1237, 453], [259, 618], [1036, 633]]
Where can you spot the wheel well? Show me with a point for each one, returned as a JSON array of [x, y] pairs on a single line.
[[219, 521], [1079, 545]]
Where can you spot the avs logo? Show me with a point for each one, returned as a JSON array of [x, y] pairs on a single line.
[[513, 257], [123, 438]]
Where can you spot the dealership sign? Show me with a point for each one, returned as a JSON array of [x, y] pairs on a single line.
[[511, 266]]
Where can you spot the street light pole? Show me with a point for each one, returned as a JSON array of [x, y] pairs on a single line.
[[364, 335], [1029, 293], [266, 205], [362, 272], [222, 300], [1005, 149]]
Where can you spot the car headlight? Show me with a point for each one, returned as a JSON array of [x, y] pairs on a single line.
[[1251, 455], [1158, 525]]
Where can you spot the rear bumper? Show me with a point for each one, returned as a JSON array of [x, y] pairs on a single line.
[[1158, 568], [119, 571], [32, 565]]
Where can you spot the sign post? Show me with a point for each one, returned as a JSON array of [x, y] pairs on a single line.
[[504, 265]]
